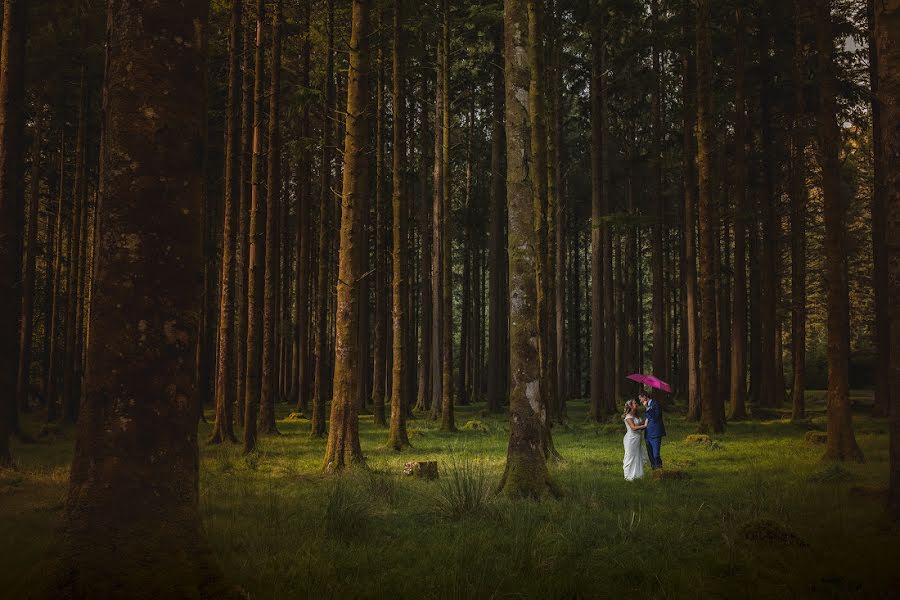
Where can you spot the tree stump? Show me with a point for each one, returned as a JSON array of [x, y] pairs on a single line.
[[815, 437], [421, 469]]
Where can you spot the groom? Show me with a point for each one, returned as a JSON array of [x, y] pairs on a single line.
[[655, 430]]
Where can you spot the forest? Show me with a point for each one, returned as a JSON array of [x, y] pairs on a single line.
[[345, 298]]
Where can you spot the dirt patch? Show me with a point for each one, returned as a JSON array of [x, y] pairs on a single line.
[[670, 474]]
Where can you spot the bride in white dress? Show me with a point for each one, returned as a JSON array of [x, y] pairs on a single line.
[[635, 459]]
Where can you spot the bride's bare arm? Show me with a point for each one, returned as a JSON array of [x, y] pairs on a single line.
[[630, 422]]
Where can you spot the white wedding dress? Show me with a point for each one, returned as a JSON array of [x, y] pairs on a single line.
[[635, 457]]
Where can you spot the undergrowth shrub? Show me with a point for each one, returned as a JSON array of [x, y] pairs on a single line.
[[383, 486], [464, 488], [347, 513]]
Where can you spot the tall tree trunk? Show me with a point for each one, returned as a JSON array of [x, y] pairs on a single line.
[[116, 494], [12, 207], [539, 191], [526, 471], [557, 204], [658, 294], [364, 333], [575, 314], [23, 379], [243, 243], [738, 387], [437, 244], [379, 361], [690, 206], [51, 259], [272, 206], [302, 279], [755, 346], [887, 20], [883, 388], [496, 383], [424, 216], [612, 379], [51, 390], [768, 379], [71, 390], [324, 289], [397, 437], [206, 348], [448, 420], [554, 311], [710, 418], [599, 229], [798, 225], [841, 441], [466, 317], [343, 447], [257, 232], [223, 429]]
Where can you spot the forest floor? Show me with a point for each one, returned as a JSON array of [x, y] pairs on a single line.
[[757, 514]]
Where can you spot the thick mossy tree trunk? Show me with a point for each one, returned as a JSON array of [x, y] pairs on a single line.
[[255, 279], [841, 441], [133, 491], [343, 447], [223, 428], [398, 438], [12, 207], [798, 195], [269, 389], [887, 21], [323, 296], [526, 471], [598, 227], [710, 417], [738, 383]]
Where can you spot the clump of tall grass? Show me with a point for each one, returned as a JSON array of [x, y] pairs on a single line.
[[383, 486], [346, 513], [463, 487], [830, 474]]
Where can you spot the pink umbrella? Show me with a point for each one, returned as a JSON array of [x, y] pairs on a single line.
[[650, 380]]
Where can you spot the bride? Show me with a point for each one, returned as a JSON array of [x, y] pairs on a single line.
[[634, 459]]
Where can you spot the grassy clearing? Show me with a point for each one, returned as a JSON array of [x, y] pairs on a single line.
[[758, 515]]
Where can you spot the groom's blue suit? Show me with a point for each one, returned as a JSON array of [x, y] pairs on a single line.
[[654, 433]]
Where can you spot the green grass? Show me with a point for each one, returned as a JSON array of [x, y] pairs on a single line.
[[758, 516]]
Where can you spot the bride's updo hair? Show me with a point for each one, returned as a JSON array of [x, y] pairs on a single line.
[[628, 406]]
